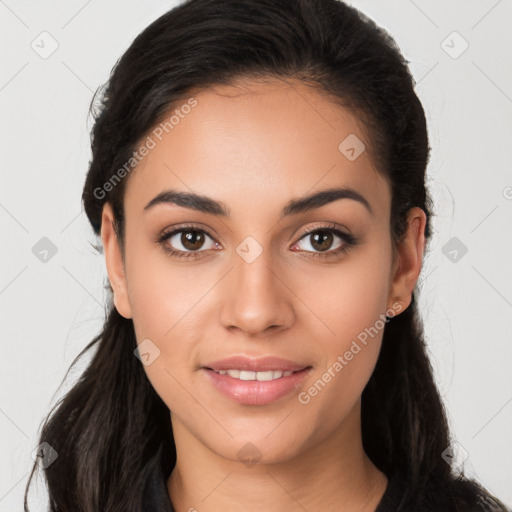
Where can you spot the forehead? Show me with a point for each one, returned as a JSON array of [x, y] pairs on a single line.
[[255, 143]]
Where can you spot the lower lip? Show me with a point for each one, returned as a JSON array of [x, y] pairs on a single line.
[[254, 392]]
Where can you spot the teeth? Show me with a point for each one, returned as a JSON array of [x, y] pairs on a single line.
[[260, 376]]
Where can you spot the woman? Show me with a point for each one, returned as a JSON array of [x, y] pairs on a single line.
[[257, 180]]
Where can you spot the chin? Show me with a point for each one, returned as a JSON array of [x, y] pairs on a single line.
[[259, 449]]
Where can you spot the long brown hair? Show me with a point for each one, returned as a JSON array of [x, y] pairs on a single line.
[[111, 428]]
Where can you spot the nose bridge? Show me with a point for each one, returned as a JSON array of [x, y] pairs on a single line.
[[257, 299]]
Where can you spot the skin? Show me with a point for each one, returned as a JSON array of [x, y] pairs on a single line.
[[254, 146]]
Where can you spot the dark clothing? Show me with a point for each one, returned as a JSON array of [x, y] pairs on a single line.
[[436, 497], [156, 498]]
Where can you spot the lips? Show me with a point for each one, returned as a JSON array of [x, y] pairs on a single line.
[[251, 381], [263, 364], [255, 392]]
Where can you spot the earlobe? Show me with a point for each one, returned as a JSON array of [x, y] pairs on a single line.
[[114, 262], [409, 256]]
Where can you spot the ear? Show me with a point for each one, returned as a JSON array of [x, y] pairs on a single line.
[[408, 260], [114, 262]]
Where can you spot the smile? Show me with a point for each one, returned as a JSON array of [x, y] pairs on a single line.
[[260, 376], [256, 388]]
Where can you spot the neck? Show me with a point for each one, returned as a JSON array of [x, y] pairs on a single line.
[[333, 475]]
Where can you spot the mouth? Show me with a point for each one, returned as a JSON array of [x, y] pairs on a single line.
[[256, 387], [260, 376]]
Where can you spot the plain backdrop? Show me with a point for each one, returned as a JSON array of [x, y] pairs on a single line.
[[53, 57]]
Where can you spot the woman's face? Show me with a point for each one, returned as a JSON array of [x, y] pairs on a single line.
[[252, 282]]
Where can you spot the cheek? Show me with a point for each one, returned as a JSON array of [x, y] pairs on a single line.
[[348, 357], [161, 293], [349, 303], [349, 297], [162, 300]]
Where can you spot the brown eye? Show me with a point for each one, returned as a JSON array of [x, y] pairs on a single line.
[[192, 240], [186, 241], [321, 240]]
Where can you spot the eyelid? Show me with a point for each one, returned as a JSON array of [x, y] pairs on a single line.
[[204, 228], [339, 230], [327, 226], [184, 227]]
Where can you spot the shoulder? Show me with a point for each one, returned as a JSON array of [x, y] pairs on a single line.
[[457, 494], [155, 495], [469, 495]]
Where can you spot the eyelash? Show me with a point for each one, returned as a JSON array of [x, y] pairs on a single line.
[[348, 239]]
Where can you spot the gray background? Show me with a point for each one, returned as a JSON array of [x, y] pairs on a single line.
[[51, 310]]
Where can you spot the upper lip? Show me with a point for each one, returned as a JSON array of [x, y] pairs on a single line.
[[261, 364]]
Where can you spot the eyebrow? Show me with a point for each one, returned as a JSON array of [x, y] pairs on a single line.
[[302, 204]]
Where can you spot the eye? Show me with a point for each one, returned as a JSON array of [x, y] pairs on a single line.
[[189, 241], [186, 241], [321, 241]]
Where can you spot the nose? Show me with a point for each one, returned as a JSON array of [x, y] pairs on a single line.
[[257, 299]]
